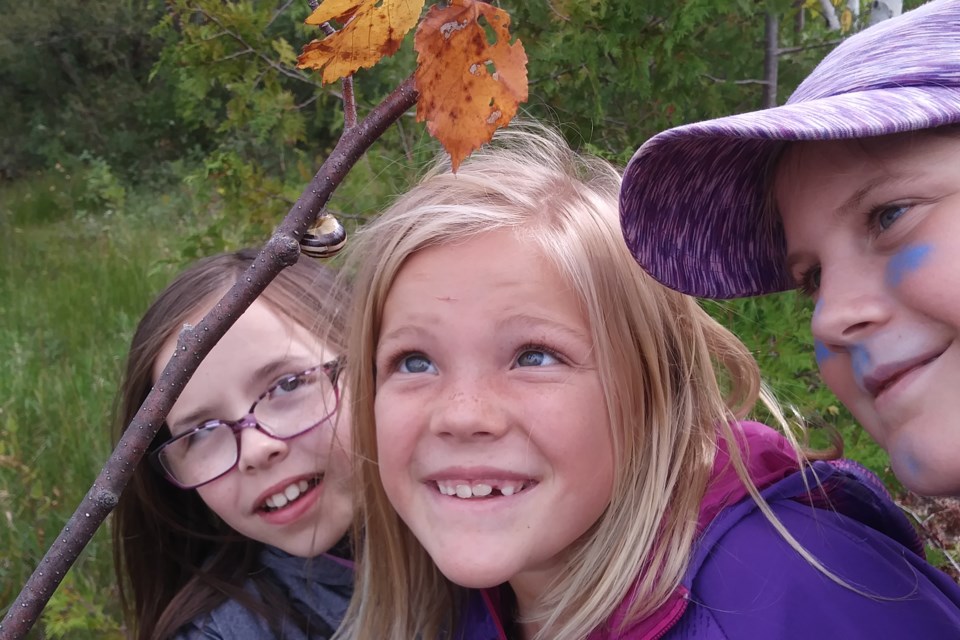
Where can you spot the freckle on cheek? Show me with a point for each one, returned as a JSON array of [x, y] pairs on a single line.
[[905, 262]]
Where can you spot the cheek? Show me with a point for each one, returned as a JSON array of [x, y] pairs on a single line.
[[219, 496], [905, 262]]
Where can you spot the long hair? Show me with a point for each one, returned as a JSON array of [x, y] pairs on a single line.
[[174, 558], [673, 381]]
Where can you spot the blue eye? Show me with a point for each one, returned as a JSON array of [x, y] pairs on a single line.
[[536, 358], [416, 363], [886, 216]]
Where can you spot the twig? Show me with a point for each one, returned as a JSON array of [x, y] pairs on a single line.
[[193, 343], [931, 536], [276, 66], [279, 12], [748, 81], [807, 47], [349, 102]]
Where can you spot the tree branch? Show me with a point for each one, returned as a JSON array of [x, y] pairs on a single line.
[[193, 343], [276, 66], [747, 81], [807, 47]]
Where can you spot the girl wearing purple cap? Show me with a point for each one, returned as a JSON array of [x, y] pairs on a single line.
[[850, 192], [546, 451]]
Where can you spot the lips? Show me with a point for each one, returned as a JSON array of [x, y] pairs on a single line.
[[885, 376]]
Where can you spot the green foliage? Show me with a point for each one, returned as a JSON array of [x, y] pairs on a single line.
[[73, 78], [615, 72], [70, 614], [776, 328], [73, 288]]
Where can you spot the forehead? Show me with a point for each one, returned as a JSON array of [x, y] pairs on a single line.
[[507, 267], [828, 174], [259, 341]]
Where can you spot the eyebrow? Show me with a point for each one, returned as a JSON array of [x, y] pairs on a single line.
[[528, 321], [268, 371], [853, 204], [855, 201]]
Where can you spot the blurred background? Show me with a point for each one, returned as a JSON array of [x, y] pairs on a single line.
[[138, 135]]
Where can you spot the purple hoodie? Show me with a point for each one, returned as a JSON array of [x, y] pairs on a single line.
[[745, 582]]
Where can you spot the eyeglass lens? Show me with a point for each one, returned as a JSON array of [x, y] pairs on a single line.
[[293, 406]]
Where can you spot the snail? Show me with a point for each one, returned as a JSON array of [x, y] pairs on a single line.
[[324, 239]]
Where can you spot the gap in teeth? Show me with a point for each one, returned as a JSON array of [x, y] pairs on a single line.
[[464, 490]]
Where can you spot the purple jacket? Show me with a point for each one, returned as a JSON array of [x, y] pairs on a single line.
[[745, 582]]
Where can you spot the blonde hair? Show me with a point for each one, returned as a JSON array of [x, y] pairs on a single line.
[[671, 375]]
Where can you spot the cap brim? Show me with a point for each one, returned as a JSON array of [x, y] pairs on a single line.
[[693, 198]]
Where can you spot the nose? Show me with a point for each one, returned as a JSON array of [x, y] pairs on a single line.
[[852, 304], [468, 411], [260, 451]]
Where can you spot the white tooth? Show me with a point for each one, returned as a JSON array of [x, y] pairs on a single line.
[[270, 503], [450, 490], [481, 489], [280, 500], [464, 491], [507, 489], [304, 485], [292, 492]]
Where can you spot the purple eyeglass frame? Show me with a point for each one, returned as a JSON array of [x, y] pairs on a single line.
[[332, 369]]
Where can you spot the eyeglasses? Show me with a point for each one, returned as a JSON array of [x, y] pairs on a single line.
[[294, 405]]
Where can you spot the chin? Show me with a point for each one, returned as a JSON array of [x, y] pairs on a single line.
[[474, 577], [923, 477]]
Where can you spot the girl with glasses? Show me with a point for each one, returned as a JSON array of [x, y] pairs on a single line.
[[235, 526], [552, 446]]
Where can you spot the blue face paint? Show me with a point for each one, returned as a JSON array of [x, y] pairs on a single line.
[[904, 262], [822, 352], [860, 361], [907, 464], [817, 307]]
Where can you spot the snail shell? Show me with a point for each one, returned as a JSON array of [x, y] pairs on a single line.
[[324, 239]]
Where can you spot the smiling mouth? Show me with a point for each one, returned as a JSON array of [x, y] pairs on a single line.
[[290, 494], [878, 388], [466, 490]]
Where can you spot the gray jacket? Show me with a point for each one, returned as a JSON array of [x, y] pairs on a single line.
[[318, 588]]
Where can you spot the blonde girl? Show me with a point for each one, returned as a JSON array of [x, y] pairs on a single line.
[[551, 445]]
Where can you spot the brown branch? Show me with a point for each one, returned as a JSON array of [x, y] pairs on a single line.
[[193, 343]]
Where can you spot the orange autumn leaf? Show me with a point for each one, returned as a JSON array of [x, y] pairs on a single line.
[[469, 87], [372, 30]]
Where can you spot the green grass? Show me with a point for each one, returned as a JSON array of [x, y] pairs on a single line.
[[80, 259], [72, 288]]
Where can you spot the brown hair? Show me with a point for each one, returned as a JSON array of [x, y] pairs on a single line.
[[173, 556]]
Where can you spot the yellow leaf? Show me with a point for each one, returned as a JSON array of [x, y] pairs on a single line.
[[833, 410], [373, 29], [339, 10], [846, 21], [469, 87]]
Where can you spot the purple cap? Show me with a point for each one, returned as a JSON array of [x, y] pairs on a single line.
[[693, 197]]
